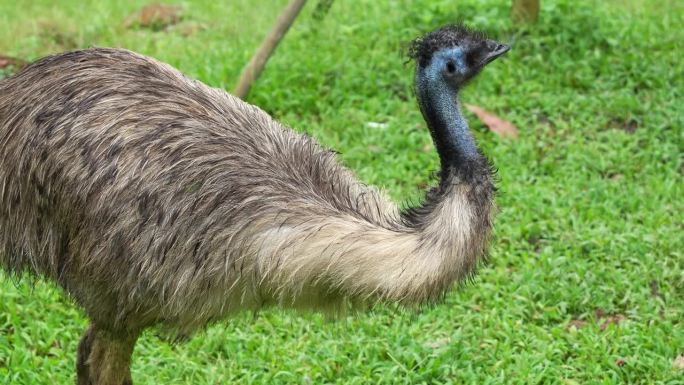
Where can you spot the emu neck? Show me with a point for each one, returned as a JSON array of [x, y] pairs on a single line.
[[440, 107]]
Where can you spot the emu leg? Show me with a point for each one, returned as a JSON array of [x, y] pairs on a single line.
[[104, 358], [82, 365]]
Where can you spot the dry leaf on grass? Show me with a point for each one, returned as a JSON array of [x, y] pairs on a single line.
[[191, 28], [608, 319], [155, 16], [603, 319], [612, 320], [438, 343], [6, 61], [678, 362], [627, 125], [376, 125], [57, 36], [576, 324], [493, 122], [599, 313]]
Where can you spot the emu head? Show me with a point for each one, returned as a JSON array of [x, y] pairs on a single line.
[[453, 54]]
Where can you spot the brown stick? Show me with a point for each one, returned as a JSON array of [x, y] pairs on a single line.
[[525, 11], [253, 69]]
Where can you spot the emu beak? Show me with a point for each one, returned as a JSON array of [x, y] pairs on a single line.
[[495, 50]]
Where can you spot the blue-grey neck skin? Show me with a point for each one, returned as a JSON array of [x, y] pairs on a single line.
[[438, 100]]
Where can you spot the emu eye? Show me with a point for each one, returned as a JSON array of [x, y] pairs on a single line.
[[450, 67]]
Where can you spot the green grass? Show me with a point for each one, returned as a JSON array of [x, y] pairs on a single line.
[[591, 213]]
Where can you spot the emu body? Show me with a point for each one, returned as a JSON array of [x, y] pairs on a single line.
[[153, 199]]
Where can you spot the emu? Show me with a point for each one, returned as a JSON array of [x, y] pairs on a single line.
[[155, 200]]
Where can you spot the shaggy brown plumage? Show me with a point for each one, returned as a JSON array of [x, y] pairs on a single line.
[[153, 199]]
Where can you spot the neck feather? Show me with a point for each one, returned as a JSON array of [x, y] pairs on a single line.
[[461, 161], [440, 107]]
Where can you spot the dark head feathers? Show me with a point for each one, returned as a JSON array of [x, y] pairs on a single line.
[[422, 48]]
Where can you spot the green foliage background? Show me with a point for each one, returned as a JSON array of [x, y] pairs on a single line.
[[590, 224]]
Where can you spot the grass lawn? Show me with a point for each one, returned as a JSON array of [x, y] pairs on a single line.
[[586, 279]]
